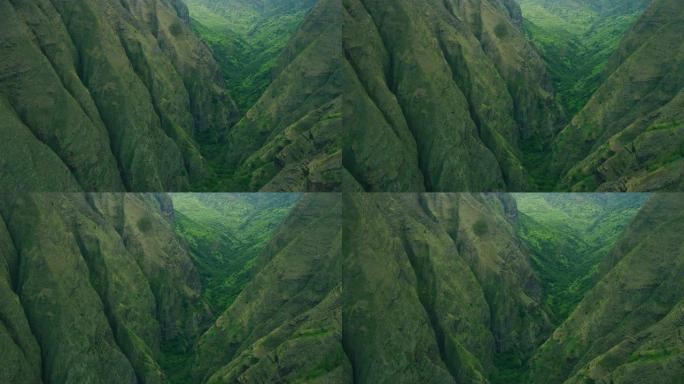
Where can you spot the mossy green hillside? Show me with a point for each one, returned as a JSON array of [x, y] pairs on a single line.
[[247, 38], [576, 39], [569, 236], [225, 232]]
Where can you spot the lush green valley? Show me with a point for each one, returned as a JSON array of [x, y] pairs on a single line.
[[247, 38], [576, 39], [569, 235], [224, 234], [329, 288], [492, 95]]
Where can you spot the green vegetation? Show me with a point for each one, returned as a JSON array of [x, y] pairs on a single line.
[[138, 102], [569, 236], [224, 233], [564, 288], [576, 39], [246, 39], [114, 293]]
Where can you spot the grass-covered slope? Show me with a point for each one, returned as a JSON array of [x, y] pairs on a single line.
[[225, 233], [451, 91], [285, 325], [105, 96], [569, 236], [627, 329], [629, 136], [98, 288], [95, 288], [437, 289], [290, 140], [452, 288], [247, 38], [576, 39]]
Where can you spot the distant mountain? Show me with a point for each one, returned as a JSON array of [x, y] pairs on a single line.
[[224, 233], [246, 38], [569, 235]]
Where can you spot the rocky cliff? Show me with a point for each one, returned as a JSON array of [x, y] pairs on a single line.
[[628, 328], [290, 140], [285, 326]]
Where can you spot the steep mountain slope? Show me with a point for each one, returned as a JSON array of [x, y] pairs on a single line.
[[105, 96], [569, 236], [437, 289], [246, 38], [450, 90], [576, 38], [629, 136], [86, 283], [285, 326], [290, 140], [98, 288], [628, 328], [224, 233]]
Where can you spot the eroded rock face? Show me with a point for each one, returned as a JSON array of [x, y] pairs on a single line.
[[105, 96], [449, 89], [436, 288], [99, 282], [630, 135]]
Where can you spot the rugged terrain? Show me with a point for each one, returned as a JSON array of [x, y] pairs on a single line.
[[291, 139], [576, 38], [105, 96], [451, 91], [113, 96], [442, 288], [247, 38], [630, 135], [460, 100], [99, 288]]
